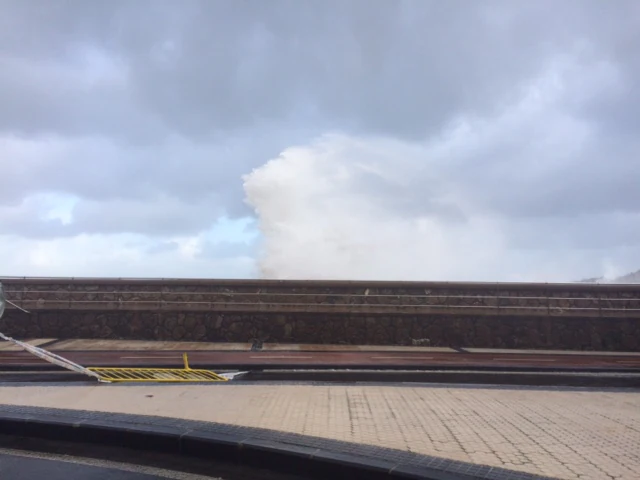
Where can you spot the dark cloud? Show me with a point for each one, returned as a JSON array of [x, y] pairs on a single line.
[[201, 67]]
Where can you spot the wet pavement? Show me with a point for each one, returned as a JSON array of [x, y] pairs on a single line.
[[241, 356], [331, 359]]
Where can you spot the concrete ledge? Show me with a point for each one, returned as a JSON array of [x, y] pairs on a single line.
[[252, 447]]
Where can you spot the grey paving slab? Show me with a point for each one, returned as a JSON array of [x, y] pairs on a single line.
[[321, 447], [561, 433]]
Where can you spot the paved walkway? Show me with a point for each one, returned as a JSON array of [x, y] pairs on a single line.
[[566, 434]]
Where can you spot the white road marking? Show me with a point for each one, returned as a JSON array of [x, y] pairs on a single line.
[[14, 363], [172, 358], [126, 467], [30, 358], [397, 358], [526, 359], [279, 356]]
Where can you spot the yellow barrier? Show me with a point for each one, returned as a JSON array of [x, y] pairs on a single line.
[[174, 375]]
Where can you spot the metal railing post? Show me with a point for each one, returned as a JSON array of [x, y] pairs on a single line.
[[3, 301]]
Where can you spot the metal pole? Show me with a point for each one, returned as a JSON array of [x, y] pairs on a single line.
[[41, 352], [3, 301]]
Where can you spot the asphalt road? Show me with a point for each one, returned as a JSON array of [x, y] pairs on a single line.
[[323, 359], [29, 466]]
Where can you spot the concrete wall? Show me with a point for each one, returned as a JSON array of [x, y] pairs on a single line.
[[538, 316]]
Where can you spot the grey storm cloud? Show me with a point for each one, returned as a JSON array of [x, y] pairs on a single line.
[[149, 112], [136, 69]]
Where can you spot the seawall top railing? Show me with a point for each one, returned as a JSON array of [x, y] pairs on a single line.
[[598, 303], [299, 283]]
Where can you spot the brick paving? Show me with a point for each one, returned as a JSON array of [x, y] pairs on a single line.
[[568, 434]]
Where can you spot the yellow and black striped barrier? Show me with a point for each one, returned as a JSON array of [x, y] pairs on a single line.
[[165, 375]]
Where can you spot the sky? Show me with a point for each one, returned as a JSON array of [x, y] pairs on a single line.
[[342, 139]]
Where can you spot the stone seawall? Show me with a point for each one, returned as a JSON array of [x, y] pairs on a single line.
[[530, 316], [434, 330]]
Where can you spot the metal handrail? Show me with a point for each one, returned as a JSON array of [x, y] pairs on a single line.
[[3, 301], [405, 303]]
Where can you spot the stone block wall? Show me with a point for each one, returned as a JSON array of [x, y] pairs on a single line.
[[528, 316], [616, 334]]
